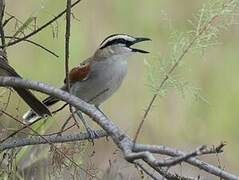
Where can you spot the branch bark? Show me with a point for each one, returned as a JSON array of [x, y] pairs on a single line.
[[36, 140], [124, 143]]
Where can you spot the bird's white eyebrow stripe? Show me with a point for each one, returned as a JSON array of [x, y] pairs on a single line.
[[117, 36]]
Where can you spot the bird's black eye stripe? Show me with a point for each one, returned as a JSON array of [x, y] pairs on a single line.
[[116, 41]]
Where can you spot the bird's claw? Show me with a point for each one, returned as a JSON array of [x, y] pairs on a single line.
[[92, 135]]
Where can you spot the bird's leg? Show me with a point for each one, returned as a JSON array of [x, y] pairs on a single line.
[[98, 108], [90, 131]]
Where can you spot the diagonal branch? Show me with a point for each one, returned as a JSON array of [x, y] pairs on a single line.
[[163, 173], [42, 27], [124, 143], [178, 60], [36, 44]]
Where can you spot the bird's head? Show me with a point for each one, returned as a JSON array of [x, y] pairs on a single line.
[[120, 45]]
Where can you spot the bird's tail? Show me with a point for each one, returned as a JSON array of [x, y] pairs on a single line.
[[31, 116], [38, 107]]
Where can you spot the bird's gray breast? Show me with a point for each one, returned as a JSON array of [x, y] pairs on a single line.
[[104, 79]]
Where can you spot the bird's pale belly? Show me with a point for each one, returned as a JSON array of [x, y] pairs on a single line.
[[103, 81]]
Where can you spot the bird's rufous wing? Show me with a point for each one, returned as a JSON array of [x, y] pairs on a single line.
[[79, 73]]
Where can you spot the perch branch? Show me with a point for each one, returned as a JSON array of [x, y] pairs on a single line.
[[124, 143]]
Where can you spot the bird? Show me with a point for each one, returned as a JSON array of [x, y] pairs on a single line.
[[98, 77], [39, 108]]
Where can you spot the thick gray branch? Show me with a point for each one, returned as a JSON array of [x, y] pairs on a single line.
[[35, 140], [164, 150], [118, 136]]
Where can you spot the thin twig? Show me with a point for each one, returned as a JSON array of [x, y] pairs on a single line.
[[36, 44], [172, 69], [67, 42], [57, 149], [170, 176], [7, 20], [163, 173], [59, 109], [2, 9], [17, 21], [67, 47], [65, 123], [18, 130], [57, 133], [30, 124], [146, 171], [43, 26], [8, 100]]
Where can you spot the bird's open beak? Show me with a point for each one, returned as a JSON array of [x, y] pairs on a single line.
[[137, 40]]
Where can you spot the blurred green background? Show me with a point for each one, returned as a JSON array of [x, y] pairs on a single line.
[[176, 121]]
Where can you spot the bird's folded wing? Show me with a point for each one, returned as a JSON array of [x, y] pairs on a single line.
[[79, 73]]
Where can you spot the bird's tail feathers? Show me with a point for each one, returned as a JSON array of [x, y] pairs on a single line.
[[39, 107], [31, 116]]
